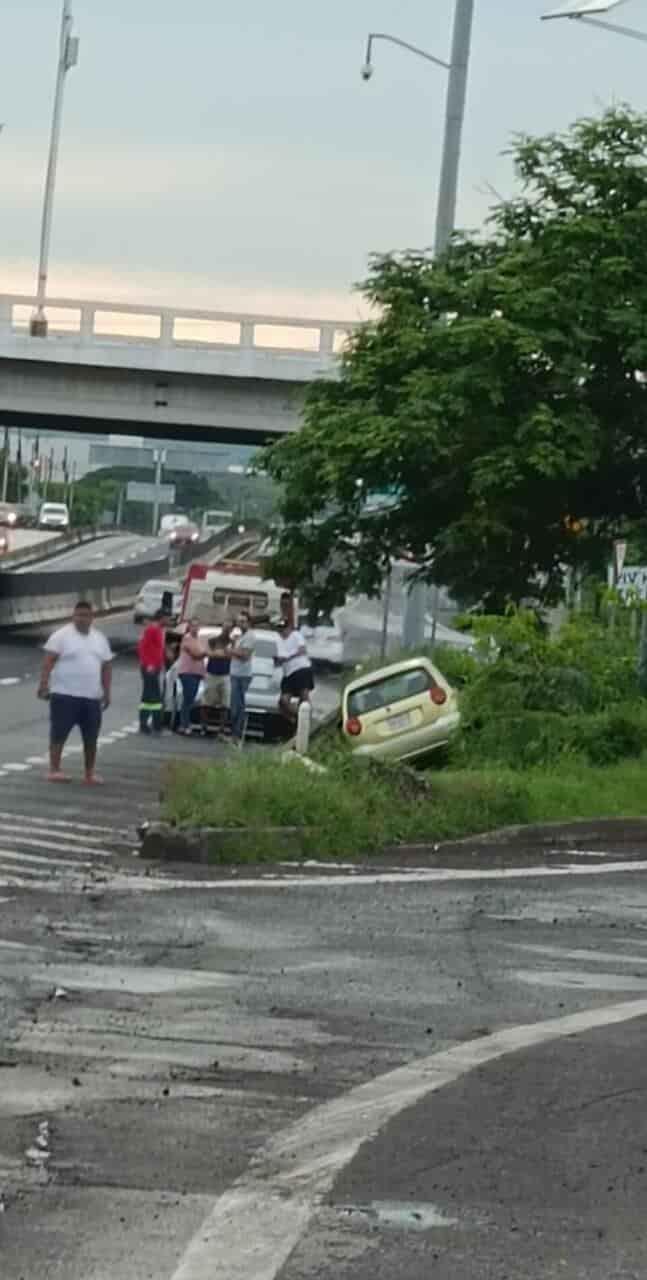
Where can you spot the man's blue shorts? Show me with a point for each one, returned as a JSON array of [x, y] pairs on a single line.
[[66, 712]]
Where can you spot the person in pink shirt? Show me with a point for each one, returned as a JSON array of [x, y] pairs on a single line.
[[190, 671]]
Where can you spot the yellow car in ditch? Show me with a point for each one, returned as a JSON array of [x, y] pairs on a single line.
[[400, 712]]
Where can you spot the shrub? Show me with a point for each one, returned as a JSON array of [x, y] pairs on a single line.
[[458, 666], [541, 739], [355, 807], [615, 736]]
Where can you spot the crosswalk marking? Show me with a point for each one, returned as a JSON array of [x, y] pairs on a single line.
[[33, 847], [16, 768], [28, 820], [45, 842], [52, 839], [13, 855], [24, 871]]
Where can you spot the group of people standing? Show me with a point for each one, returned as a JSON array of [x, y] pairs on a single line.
[[225, 663], [76, 679]]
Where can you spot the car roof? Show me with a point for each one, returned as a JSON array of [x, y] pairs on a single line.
[[393, 669]]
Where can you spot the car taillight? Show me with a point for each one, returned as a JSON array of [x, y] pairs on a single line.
[[354, 727], [437, 695]]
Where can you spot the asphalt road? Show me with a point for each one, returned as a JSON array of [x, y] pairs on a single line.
[[299, 1076], [105, 553]]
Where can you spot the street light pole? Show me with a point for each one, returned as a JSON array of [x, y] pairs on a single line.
[[457, 69], [159, 458], [454, 117], [67, 58], [413, 628], [5, 465]]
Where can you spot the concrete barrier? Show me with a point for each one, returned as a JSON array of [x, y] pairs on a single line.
[[42, 597], [40, 552]]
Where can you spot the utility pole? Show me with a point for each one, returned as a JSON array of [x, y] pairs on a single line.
[[386, 609], [413, 630], [68, 57], [19, 467], [71, 496], [159, 458], [5, 465], [66, 474]]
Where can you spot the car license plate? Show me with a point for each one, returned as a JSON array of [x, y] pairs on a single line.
[[398, 723]]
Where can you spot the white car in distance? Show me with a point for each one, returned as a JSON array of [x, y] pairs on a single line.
[[149, 599], [53, 515], [324, 639]]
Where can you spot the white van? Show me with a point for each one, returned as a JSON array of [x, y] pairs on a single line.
[[170, 522], [53, 515]]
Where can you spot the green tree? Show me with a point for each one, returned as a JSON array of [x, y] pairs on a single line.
[[496, 394]]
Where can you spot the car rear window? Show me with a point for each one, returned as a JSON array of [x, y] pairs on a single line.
[[383, 693]]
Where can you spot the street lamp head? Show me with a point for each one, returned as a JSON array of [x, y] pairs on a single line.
[[367, 71], [583, 9]]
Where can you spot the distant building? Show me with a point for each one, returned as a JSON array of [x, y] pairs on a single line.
[[202, 459]]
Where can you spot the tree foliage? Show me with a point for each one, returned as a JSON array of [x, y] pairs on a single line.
[[495, 394]]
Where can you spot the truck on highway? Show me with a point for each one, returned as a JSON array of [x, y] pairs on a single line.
[[215, 594], [214, 520]]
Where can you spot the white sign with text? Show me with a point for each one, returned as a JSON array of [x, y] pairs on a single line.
[[633, 579]]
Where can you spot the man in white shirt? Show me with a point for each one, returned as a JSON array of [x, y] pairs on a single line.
[[298, 682], [240, 675], [76, 678]]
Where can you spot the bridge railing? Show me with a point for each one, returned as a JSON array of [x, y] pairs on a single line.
[[87, 322]]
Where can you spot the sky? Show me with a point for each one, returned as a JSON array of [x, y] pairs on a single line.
[[231, 156]]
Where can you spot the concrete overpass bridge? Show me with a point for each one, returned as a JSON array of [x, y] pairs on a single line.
[[153, 371]]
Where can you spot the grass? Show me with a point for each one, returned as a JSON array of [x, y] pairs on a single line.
[[581, 791], [357, 808]]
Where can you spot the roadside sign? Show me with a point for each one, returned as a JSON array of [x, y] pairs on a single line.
[[137, 491], [620, 553], [633, 578]]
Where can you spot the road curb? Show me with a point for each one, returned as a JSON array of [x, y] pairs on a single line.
[[549, 840], [537, 844], [208, 846]]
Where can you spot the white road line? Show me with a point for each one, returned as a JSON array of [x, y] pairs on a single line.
[[23, 871], [44, 835], [579, 953], [12, 855], [8, 680], [36, 759], [46, 842], [254, 1227], [431, 876], [63, 822], [17, 768]]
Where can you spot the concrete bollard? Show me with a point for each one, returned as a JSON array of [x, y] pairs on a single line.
[[304, 720]]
